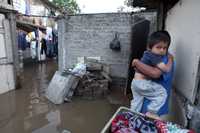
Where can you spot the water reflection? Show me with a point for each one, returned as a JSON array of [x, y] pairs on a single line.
[[26, 110], [53, 119]]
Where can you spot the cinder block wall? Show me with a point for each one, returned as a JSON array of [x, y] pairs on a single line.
[[90, 35]]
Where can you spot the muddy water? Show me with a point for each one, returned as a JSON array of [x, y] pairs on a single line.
[[26, 110]]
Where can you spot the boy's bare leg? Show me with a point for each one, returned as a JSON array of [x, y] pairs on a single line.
[[153, 116]]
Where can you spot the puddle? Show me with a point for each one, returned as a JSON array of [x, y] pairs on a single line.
[[27, 110]]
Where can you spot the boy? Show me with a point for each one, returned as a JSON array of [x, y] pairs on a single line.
[[142, 86]]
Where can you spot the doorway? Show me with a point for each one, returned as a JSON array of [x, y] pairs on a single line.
[[140, 32], [197, 98]]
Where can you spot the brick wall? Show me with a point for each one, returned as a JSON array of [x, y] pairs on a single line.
[[90, 35]]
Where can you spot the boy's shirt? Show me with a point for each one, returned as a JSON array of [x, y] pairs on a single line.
[[166, 81], [151, 59]]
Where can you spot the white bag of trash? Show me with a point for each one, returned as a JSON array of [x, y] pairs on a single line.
[[79, 70]]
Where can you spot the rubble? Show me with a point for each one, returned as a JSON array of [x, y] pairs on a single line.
[[90, 81], [95, 82]]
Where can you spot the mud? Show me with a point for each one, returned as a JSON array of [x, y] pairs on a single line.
[[26, 110]]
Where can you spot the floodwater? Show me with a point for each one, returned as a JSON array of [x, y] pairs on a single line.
[[26, 110]]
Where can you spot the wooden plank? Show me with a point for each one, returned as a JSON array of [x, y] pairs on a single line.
[[106, 68], [106, 76], [93, 66]]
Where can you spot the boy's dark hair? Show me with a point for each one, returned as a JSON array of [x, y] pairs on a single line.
[[157, 37]]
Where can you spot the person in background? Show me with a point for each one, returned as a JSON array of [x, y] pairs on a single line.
[[49, 42]]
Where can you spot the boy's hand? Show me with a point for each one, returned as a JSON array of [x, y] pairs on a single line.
[[134, 62], [170, 56]]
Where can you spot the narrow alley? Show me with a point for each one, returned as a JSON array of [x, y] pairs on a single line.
[[68, 69]]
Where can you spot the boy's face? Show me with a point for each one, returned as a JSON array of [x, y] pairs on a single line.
[[160, 48]]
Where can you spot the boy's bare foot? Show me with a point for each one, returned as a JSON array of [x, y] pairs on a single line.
[[153, 116]]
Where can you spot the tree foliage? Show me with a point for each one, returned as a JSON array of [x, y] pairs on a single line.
[[128, 2], [69, 6]]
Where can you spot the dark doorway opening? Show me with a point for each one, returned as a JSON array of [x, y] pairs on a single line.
[[197, 98], [140, 32], [9, 2]]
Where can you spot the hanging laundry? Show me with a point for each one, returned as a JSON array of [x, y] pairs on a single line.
[[43, 47], [40, 46], [55, 41], [33, 44], [49, 42], [33, 49], [27, 10], [21, 40]]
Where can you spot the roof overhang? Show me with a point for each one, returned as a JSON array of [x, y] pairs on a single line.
[[149, 4], [28, 26], [5, 8]]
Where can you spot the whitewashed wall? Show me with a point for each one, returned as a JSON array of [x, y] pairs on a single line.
[[7, 79], [183, 24]]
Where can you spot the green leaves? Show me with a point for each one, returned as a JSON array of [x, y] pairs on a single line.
[[69, 6]]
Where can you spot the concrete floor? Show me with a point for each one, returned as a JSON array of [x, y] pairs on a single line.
[[26, 110]]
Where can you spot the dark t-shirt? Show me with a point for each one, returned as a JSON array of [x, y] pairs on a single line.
[[151, 59], [166, 81]]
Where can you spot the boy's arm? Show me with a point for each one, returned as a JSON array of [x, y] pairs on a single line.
[[166, 67], [150, 71]]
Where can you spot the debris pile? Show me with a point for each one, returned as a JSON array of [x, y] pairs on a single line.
[[95, 82], [89, 80]]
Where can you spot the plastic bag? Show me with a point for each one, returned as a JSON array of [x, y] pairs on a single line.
[[115, 43], [79, 70]]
